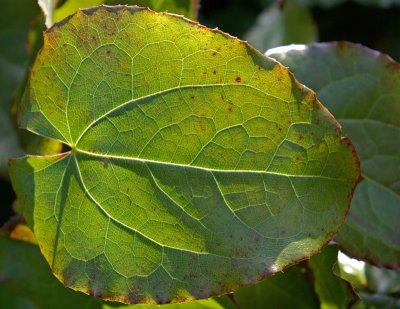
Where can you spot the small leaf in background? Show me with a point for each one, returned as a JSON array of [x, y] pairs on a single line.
[[353, 271], [29, 142], [24, 272], [276, 27], [188, 8], [9, 299], [27, 282], [361, 88], [382, 280], [328, 4], [289, 289], [377, 301], [48, 7], [192, 155], [380, 3], [333, 291], [24, 233]]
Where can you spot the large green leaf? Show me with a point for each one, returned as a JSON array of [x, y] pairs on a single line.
[[276, 27], [361, 88], [197, 165], [333, 291]]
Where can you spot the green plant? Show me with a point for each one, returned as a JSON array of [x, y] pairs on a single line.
[[168, 162]]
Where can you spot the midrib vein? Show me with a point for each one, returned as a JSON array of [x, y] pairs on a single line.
[[207, 169]]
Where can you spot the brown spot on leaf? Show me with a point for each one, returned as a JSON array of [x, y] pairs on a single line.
[[238, 79], [230, 107]]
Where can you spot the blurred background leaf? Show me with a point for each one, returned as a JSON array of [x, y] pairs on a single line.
[[361, 88], [17, 16], [277, 26], [289, 289], [333, 291], [382, 280]]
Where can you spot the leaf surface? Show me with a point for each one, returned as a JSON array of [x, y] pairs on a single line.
[[276, 27], [361, 88], [333, 291], [384, 281], [197, 165], [27, 281], [9, 299], [374, 301], [289, 289], [24, 286], [329, 4]]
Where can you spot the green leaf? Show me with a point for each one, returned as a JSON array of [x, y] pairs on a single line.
[[328, 4], [28, 281], [11, 300], [188, 8], [200, 304], [353, 271], [333, 291], [29, 142], [275, 27], [14, 24], [380, 3], [361, 88], [291, 289], [382, 280], [377, 301], [197, 165]]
